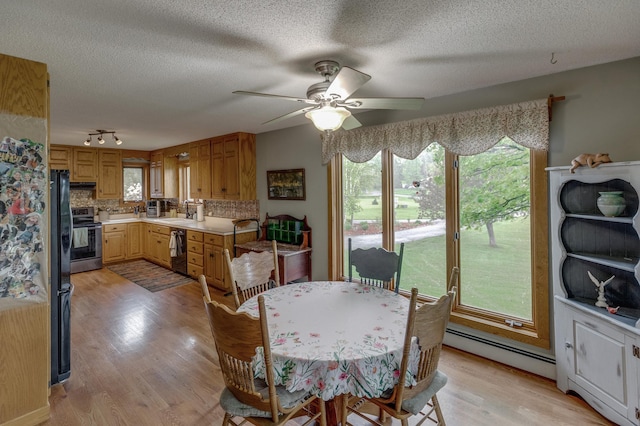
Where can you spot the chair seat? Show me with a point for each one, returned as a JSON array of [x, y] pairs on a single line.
[[417, 403], [231, 405]]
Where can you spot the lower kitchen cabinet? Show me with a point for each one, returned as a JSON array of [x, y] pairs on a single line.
[[195, 250], [214, 267], [157, 247], [135, 241], [114, 243], [127, 241], [122, 241]]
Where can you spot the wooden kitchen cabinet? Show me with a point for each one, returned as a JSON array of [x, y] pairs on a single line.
[[163, 174], [135, 241], [195, 250], [84, 165], [122, 241], [60, 157], [109, 174], [157, 247], [170, 181], [156, 174], [233, 163], [214, 267], [200, 169], [114, 243]]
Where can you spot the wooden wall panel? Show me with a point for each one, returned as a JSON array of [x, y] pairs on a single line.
[[24, 330], [24, 365]]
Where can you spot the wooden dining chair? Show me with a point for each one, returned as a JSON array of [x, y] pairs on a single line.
[[251, 272], [377, 266], [428, 324], [260, 402], [205, 288]]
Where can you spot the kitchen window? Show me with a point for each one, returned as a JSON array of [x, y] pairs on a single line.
[[133, 189]]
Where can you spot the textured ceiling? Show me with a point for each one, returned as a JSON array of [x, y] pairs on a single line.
[[161, 72]]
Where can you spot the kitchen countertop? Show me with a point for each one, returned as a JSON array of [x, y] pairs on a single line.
[[213, 225]]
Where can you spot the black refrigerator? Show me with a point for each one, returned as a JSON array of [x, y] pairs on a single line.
[[61, 287]]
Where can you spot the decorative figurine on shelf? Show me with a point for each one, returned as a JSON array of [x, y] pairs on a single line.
[[601, 302], [591, 160], [613, 310]]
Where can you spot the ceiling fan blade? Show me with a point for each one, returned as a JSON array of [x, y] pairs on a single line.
[[291, 114], [351, 123], [383, 103], [268, 95], [346, 82]]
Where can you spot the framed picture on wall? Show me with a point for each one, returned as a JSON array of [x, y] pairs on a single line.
[[286, 184]]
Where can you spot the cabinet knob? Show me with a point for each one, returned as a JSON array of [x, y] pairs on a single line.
[[568, 345]]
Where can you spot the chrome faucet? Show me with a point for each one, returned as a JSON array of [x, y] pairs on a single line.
[[186, 205]]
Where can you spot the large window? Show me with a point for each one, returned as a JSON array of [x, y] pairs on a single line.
[[484, 213]]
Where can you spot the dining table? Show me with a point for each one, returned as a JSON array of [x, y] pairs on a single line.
[[333, 338]]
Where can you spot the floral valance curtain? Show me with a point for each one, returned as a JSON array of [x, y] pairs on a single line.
[[464, 133]]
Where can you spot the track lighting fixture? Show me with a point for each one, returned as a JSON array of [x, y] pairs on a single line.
[[101, 139]]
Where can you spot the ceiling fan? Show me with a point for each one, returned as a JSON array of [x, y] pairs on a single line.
[[329, 101]]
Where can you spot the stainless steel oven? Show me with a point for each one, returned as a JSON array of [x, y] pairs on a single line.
[[86, 244]]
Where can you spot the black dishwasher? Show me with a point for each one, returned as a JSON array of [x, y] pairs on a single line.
[[178, 250]]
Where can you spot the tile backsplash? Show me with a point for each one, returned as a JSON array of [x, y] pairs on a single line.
[[218, 208]]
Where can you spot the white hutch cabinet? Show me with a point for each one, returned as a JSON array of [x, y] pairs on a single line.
[[597, 352]]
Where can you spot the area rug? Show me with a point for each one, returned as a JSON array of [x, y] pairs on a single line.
[[150, 276]]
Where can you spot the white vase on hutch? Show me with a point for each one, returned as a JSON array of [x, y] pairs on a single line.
[[597, 352]]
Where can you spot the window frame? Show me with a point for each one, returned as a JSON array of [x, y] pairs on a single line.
[[145, 180], [536, 331]]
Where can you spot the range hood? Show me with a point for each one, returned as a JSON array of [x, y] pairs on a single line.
[[82, 185]]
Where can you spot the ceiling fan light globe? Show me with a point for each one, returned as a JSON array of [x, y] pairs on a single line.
[[328, 118]]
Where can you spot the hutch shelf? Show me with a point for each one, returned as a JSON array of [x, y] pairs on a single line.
[[597, 349]]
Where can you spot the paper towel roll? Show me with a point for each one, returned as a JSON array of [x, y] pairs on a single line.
[[200, 213]]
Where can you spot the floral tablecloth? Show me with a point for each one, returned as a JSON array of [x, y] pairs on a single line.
[[331, 338]]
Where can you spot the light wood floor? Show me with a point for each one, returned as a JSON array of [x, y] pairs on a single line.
[[141, 358]]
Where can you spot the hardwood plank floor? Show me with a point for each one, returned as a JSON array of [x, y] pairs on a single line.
[[141, 358]]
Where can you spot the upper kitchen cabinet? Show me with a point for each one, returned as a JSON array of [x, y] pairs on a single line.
[[84, 165], [60, 157], [200, 169], [156, 174], [170, 176], [109, 174], [163, 173], [233, 160], [175, 159]]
